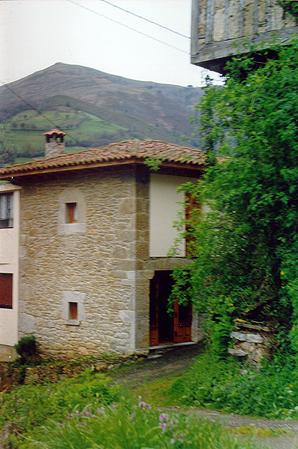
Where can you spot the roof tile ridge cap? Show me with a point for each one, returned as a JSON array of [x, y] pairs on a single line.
[[135, 148], [111, 145], [172, 144]]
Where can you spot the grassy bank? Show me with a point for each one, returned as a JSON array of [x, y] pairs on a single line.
[[88, 412], [271, 391]]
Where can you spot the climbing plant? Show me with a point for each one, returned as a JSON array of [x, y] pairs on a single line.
[[290, 6]]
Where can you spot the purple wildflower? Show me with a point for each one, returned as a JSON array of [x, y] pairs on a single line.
[[163, 417], [163, 426], [144, 405]]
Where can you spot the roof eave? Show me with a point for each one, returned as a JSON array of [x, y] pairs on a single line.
[[88, 166]]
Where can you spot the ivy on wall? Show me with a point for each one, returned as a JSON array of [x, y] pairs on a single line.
[[290, 6]]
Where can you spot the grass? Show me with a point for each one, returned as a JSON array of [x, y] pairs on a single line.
[[158, 392], [88, 412], [271, 391], [128, 426], [31, 406]]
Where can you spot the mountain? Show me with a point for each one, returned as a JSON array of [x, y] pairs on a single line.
[[92, 107]]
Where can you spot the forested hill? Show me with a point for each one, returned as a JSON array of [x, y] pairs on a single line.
[[93, 107]]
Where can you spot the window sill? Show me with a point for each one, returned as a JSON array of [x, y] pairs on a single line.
[[72, 228], [73, 323]]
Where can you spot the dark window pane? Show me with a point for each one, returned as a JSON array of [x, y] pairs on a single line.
[[5, 291]]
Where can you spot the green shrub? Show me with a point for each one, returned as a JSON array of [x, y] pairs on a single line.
[[246, 240], [27, 348], [134, 427], [271, 391]]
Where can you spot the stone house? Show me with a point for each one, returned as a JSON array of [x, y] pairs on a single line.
[[223, 28], [84, 244]]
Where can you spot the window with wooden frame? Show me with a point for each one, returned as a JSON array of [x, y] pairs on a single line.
[[71, 213], [73, 312], [192, 211], [6, 290], [6, 210]]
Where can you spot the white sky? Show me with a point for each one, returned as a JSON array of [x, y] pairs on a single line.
[[35, 34]]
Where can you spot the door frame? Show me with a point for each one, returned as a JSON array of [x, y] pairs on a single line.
[[181, 333]]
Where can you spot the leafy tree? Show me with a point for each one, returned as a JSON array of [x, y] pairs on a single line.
[[247, 246]]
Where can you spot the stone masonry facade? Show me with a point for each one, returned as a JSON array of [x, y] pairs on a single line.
[[94, 266], [221, 28], [101, 263]]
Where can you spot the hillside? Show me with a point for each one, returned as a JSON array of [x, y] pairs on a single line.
[[92, 107]]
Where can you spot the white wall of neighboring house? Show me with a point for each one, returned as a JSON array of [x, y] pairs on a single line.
[[9, 263], [165, 206]]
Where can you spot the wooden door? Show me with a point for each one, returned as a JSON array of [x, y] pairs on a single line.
[[154, 289], [167, 328], [182, 323]]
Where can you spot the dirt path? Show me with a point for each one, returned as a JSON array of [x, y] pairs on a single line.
[[160, 363], [175, 361]]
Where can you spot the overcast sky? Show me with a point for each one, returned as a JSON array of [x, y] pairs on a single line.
[[35, 34]]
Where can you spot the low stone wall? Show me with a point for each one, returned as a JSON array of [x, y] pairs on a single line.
[[251, 341], [12, 375]]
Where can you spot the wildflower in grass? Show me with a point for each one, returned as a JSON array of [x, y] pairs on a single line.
[[163, 417], [163, 426], [164, 422], [144, 405]]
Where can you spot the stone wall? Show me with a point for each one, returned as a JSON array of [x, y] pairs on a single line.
[[221, 28], [251, 341], [94, 264]]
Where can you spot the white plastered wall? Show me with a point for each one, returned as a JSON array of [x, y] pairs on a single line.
[[9, 263], [165, 206]]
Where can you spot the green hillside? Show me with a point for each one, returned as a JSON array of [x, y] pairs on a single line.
[[93, 108], [23, 133]]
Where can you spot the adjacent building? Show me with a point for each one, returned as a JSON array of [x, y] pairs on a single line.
[[223, 28]]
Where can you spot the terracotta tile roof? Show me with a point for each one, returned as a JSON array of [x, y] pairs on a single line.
[[113, 154]]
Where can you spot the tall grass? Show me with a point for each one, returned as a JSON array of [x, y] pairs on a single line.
[[133, 427], [28, 407]]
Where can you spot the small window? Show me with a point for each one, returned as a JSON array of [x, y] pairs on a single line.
[[73, 311], [71, 213], [6, 210], [5, 291]]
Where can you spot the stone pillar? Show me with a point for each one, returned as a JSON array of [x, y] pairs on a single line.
[[142, 255]]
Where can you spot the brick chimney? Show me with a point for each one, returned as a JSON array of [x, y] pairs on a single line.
[[54, 145]]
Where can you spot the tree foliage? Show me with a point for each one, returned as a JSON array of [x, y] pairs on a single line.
[[290, 6], [247, 243]]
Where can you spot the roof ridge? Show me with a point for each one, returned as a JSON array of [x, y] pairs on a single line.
[[111, 153]]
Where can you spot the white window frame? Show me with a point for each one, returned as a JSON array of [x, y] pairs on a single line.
[[6, 210]]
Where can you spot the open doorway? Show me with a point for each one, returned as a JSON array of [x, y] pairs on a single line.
[[167, 328]]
